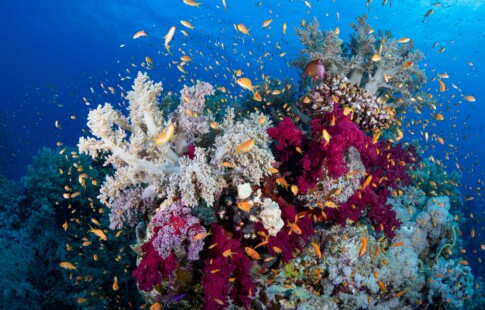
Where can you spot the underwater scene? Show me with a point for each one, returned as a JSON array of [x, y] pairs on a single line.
[[224, 154]]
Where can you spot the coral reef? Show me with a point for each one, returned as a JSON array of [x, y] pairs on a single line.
[[376, 62]]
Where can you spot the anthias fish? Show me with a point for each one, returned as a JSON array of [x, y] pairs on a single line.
[[315, 69]]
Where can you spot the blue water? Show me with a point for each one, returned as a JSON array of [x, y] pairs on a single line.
[[53, 52]]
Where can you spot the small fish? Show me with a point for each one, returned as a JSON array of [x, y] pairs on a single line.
[[156, 306], [242, 28], [140, 34], [165, 136], [294, 227], [261, 120], [438, 117], [115, 284], [381, 285], [214, 125], [266, 23], [294, 189], [68, 266], [400, 243], [408, 64], [272, 170], [316, 249], [169, 36], [217, 300], [330, 204], [185, 58], [337, 31], [202, 235], [282, 182], [257, 96], [326, 136], [149, 60], [245, 83], [192, 3], [375, 57], [367, 182], [227, 164], [224, 4], [65, 225], [363, 246], [98, 232], [399, 294], [252, 253], [284, 28], [306, 100], [376, 137], [279, 251], [245, 206], [245, 147], [187, 24], [403, 40], [469, 98], [429, 13], [315, 69]]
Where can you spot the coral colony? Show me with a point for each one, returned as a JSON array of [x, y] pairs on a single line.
[[308, 212]]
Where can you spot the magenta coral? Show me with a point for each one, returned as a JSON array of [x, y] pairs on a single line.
[[174, 227], [287, 240], [299, 155], [152, 268], [221, 266]]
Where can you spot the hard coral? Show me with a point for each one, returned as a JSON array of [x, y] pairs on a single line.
[[368, 111]]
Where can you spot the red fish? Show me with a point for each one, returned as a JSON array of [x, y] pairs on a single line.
[[315, 69]]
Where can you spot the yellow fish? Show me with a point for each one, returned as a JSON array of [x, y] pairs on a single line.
[[165, 136], [326, 136], [243, 29], [284, 28], [375, 57], [257, 96], [245, 83], [185, 58], [439, 117], [244, 147], [470, 98]]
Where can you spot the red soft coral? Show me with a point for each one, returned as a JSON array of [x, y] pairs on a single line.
[[152, 268], [220, 268]]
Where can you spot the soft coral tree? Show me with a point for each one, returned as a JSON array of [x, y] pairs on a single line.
[[386, 167]]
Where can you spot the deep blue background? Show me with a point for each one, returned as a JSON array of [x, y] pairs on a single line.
[[53, 52]]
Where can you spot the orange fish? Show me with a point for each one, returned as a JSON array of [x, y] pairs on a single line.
[[98, 232], [470, 98], [400, 243], [367, 182], [68, 266], [363, 246], [244, 147], [202, 235], [316, 248], [381, 285], [326, 136], [165, 136], [294, 189], [399, 294], [403, 40], [245, 206], [192, 3], [282, 182], [115, 284], [439, 117], [408, 64], [257, 96], [252, 253], [294, 227], [156, 306]]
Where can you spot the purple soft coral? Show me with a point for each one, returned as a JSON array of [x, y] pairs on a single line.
[[174, 225]]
